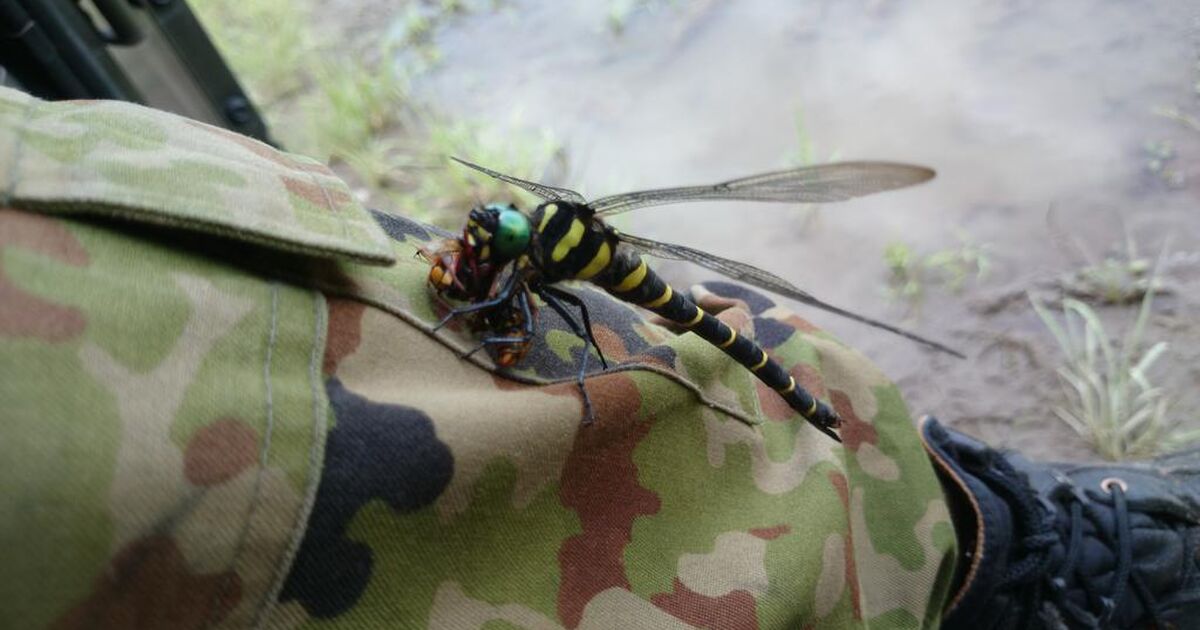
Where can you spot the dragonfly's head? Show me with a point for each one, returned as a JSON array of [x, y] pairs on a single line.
[[497, 233]]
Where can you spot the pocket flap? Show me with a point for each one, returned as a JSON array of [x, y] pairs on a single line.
[[117, 159]]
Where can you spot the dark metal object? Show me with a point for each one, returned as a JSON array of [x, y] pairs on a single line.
[[153, 52], [122, 21], [53, 49]]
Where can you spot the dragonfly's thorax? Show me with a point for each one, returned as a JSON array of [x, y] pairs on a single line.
[[570, 244]]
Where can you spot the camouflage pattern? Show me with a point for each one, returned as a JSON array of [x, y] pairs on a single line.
[[224, 406]]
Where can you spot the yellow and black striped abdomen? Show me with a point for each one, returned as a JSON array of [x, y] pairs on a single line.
[[630, 279], [572, 245]]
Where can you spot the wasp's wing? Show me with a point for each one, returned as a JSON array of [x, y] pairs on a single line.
[[549, 193], [808, 184], [766, 280]]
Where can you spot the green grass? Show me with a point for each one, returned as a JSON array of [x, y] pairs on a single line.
[[351, 104], [1111, 281], [1175, 114], [445, 190], [269, 60], [1111, 399], [907, 277], [806, 152], [354, 103], [911, 273], [1120, 278], [1160, 159]]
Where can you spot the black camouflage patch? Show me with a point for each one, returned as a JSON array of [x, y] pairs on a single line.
[[374, 451]]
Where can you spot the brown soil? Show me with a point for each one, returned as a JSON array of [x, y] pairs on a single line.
[[1021, 106]]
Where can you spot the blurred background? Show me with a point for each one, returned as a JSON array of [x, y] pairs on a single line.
[[1059, 246]]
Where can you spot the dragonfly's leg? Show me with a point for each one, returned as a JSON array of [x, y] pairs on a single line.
[[588, 415], [575, 301], [488, 341], [553, 302], [527, 326], [501, 297], [520, 337]]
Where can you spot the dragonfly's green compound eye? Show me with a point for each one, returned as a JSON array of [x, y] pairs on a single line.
[[512, 234]]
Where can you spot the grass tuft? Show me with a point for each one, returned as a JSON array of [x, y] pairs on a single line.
[[911, 273], [1111, 399], [1122, 277]]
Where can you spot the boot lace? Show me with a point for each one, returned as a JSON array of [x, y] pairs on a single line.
[[1031, 575]]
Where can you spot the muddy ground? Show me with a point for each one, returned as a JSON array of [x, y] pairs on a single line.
[[1021, 106]]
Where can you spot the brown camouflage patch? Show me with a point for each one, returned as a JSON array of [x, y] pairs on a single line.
[[148, 585], [600, 484], [771, 533], [855, 431], [800, 324], [663, 322], [843, 489], [809, 378], [716, 304], [332, 199], [652, 359], [773, 406], [610, 342], [738, 319], [23, 314], [653, 334], [219, 452], [344, 333], [41, 234], [731, 611]]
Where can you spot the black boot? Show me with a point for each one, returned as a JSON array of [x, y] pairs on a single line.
[[1068, 545]]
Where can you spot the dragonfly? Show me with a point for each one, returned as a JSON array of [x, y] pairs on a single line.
[[505, 256]]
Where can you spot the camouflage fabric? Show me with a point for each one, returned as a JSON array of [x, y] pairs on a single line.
[[224, 406]]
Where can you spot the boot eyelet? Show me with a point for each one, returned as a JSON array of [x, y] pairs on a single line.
[[1108, 482]]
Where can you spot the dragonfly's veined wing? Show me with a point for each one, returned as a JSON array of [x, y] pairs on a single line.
[[549, 193], [809, 184], [766, 280]]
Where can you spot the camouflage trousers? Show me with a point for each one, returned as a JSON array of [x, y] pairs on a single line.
[[225, 405]]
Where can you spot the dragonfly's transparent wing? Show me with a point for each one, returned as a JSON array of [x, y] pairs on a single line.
[[766, 280], [809, 184], [549, 193]]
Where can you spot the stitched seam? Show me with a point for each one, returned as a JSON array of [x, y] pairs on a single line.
[[315, 460], [14, 173], [264, 455], [289, 240]]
